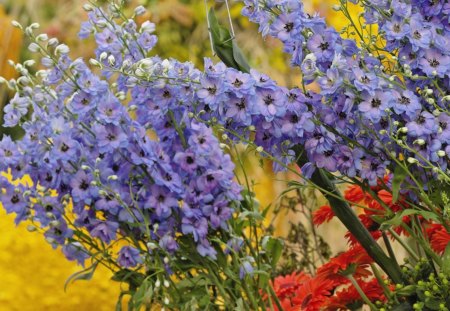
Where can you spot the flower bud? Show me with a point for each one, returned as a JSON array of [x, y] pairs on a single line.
[[31, 228], [34, 47], [412, 160], [140, 10], [403, 130], [103, 56], [166, 283], [441, 153], [111, 60], [157, 283], [113, 177], [62, 49], [166, 260], [87, 7], [16, 24], [419, 142], [42, 37], [259, 149]]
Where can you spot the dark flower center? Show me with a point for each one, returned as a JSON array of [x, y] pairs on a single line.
[[237, 83], [420, 120], [212, 90], [292, 97], [396, 28], [241, 104], [64, 147], [8, 153], [404, 100], [365, 79], [288, 27], [342, 115], [111, 137], [189, 160], [268, 100], [324, 46], [209, 177], [443, 125], [328, 153], [84, 185], [201, 140], [417, 35], [433, 62], [166, 94], [161, 198], [15, 199], [294, 118], [376, 102]]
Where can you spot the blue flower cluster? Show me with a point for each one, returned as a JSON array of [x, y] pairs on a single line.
[[368, 111], [154, 178]]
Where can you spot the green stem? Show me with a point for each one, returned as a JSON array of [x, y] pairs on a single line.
[[361, 292], [346, 215]]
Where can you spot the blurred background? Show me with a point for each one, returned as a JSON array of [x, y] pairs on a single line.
[[32, 275]]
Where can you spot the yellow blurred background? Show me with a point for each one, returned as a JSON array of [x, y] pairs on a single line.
[[32, 275]]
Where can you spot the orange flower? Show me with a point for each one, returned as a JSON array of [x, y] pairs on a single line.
[[323, 214], [313, 294]]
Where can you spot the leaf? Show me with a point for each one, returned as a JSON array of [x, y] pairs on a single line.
[[133, 278], [274, 248], [239, 305], [240, 58], [446, 261], [399, 177], [85, 274], [224, 45], [398, 218]]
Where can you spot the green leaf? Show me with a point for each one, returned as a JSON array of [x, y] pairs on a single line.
[[399, 176], [398, 218], [446, 261], [224, 45], [85, 274], [239, 305], [274, 248], [133, 278]]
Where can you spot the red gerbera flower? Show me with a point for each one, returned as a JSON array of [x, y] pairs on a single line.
[[355, 256], [349, 295], [313, 294], [323, 214], [439, 237]]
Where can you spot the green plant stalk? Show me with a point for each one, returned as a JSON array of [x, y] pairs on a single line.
[[361, 292], [345, 214]]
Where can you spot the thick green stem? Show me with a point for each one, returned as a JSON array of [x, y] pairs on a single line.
[[346, 215]]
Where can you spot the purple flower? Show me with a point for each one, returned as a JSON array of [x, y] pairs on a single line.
[[168, 243], [331, 82], [129, 257], [434, 62], [105, 230], [82, 189], [270, 103], [110, 137], [75, 252], [424, 124], [374, 106], [323, 44], [197, 226], [9, 153], [406, 102], [162, 201]]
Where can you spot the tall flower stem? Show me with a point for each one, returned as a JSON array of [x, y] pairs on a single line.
[[347, 216]]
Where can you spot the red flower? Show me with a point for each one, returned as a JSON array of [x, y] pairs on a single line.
[[323, 214], [354, 194], [313, 294], [356, 256], [439, 237], [350, 295], [302, 292]]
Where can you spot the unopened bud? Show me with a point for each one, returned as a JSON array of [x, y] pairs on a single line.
[[412, 160]]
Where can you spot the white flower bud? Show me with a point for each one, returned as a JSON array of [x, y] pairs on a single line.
[[259, 149], [429, 91], [403, 130], [132, 108], [111, 60], [54, 223], [16, 24], [87, 7], [148, 26], [95, 63], [446, 98], [53, 42], [35, 26], [166, 301], [50, 240], [224, 136], [62, 49], [434, 73], [151, 246], [166, 260], [42, 37], [419, 142], [157, 283], [191, 115], [336, 7], [166, 283], [103, 56], [34, 47], [251, 128], [140, 10], [441, 153], [412, 160], [31, 228], [94, 183], [430, 101], [382, 132], [29, 63]]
